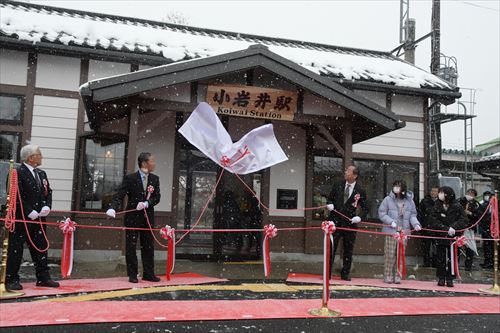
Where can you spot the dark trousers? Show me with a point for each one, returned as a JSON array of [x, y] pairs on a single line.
[[15, 252], [469, 258], [147, 252], [349, 237], [426, 247], [487, 249], [443, 261]]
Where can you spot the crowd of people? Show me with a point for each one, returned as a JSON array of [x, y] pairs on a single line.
[[346, 206]]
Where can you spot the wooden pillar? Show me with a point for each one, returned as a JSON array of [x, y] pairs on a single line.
[[29, 98], [132, 139], [347, 142]]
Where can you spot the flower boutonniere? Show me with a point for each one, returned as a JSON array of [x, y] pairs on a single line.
[[45, 187], [356, 199], [150, 190]]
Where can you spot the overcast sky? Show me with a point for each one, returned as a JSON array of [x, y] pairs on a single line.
[[469, 32]]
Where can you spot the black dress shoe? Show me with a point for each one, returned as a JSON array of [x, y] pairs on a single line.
[[449, 283], [14, 286], [345, 277], [151, 278], [132, 279], [47, 283], [441, 282]]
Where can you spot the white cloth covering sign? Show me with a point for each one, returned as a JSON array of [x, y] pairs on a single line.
[[204, 130]]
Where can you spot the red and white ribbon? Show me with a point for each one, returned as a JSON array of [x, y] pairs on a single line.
[[68, 228], [400, 250], [356, 199], [168, 233], [270, 231], [459, 242], [150, 190], [328, 228]]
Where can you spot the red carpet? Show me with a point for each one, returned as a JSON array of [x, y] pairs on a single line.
[[116, 283], [33, 313], [405, 284]]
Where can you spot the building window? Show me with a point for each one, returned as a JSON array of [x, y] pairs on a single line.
[[327, 171], [377, 177], [11, 109], [9, 146], [103, 170]]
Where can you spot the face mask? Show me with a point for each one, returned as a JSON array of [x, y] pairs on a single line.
[[396, 189], [468, 197], [486, 198], [441, 196]]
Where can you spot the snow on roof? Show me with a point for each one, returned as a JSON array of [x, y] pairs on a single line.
[[36, 23]]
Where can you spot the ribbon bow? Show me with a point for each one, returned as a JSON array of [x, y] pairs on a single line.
[[328, 227], [150, 189], [68, 228], [270, 231], [168, 233]]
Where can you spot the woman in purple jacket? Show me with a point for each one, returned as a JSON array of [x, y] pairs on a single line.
[[397, 212]]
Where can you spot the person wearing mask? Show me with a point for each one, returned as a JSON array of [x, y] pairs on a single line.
[[485, 226], [349, 198], [471, 210], [35, 205], [447, 215], [424, 217], [142, 189], [398, 213]]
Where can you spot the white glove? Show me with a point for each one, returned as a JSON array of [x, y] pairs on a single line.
[[111, 213], [33, 215], [45, 211], [394, 225], [329, 207], [140, 206], [417, 227], [146, 204], [356, 219], [451, 232]]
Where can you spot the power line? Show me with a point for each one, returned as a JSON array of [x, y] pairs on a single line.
[[479, 6]]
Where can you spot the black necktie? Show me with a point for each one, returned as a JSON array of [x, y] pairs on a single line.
[[37, 178], [346, 192]]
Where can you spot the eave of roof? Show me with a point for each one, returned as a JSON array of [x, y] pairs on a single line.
[[121, 86]]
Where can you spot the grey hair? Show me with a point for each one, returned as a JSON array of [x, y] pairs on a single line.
[[28, 151]]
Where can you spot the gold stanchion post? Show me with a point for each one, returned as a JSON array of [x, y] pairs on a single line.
[[495, 289], [4, 293]]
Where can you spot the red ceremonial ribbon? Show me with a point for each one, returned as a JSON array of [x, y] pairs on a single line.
[[150, 190], [356, 199], [328, 228], [168, 233], [494, 227], [270, 231], [68, 228], [401, 262], [10, 218], [459, 242]]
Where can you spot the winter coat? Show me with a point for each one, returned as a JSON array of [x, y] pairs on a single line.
[[442, 219], [473, 207], [389, 212], [425, 210]]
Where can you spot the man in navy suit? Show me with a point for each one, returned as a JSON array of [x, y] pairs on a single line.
[[35, 204], [348, 198], [142, 189]]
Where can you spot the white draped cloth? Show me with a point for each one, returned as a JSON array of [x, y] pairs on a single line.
[[255, 151]]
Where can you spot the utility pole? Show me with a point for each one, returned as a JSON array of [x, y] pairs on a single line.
[[435, 110]]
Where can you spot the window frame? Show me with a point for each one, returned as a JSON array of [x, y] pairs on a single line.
[[11, 122], [19, 134]]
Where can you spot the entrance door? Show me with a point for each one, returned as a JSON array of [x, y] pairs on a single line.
[[233, 207]]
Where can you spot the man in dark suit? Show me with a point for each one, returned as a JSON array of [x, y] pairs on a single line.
[[349, 199], [142, 189], [36, 202]]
